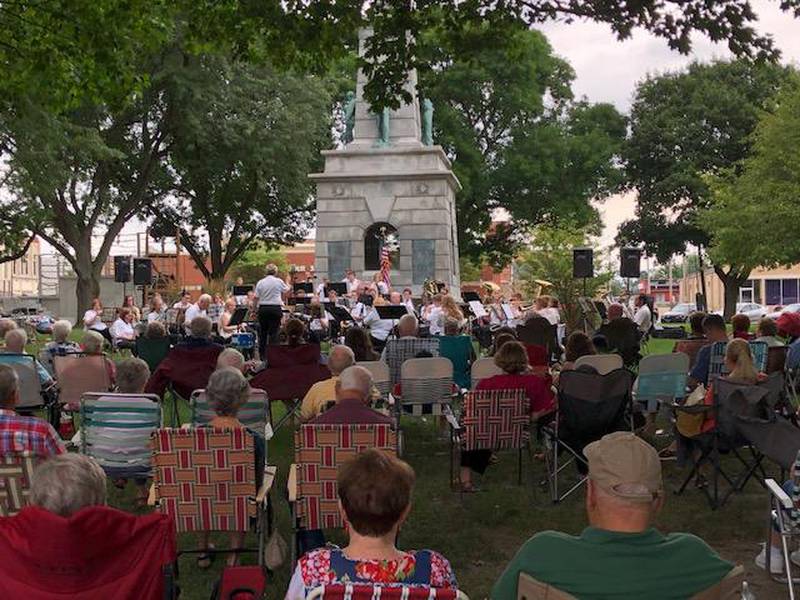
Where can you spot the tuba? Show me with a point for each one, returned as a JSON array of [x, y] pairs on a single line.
[[430, 288]]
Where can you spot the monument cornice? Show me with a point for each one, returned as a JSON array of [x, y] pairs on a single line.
[[342, 176]]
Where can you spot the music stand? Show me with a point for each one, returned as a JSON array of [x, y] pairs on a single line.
[[477, 309], [508, 312], [301, 300], [392, 312], [307, 287], [241, 290], [340, 287], [239, 315], [470, 297], [365, 299], [339, 313]]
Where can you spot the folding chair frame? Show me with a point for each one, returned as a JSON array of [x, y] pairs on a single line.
[[788, 526]]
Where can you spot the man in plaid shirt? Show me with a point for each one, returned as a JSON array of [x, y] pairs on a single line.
[[22, 434], [407, 346]]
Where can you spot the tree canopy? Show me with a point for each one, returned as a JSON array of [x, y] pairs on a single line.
[[505, 115]]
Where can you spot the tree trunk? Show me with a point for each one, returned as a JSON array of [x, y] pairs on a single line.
[[731, 281], [87, 289]]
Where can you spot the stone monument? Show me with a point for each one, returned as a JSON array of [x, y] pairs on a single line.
[[387, 180]]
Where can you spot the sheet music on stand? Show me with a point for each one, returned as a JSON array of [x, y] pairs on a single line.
[[477, 308], [508, 312], [339, 313], [238, 317]]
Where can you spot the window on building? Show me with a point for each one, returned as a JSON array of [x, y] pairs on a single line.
[[789, 291], [339, 259], [423, 260], [772, 291], [746, 291], [373, 238], [781, 291]]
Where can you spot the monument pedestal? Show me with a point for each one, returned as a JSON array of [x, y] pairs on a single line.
[[390, 180]]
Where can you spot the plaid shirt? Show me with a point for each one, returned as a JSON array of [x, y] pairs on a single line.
[[399, 350], [27, 434]]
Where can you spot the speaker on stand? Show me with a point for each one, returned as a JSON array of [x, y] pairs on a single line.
[[122, 269], [629, 265], [583, 268], [143, 275]]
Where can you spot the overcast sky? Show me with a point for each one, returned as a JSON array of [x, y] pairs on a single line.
[[607, 70]]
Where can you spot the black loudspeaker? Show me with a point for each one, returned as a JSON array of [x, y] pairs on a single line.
[[629, 259], [582, 263], [142, 271], [122, 269]]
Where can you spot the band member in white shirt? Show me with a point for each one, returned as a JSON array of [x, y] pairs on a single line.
[[380, 329], [185, 301], [269, 292], [352, 282], [122, 331], [408, 301], [643, 316], [197, 310]]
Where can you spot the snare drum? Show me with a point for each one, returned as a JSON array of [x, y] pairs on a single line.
[[243, 340]]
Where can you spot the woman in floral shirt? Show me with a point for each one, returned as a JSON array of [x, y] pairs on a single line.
[[375, 499]]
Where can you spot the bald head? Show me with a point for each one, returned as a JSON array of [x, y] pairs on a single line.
[[340, 358], [615, 312], [354, 381], [16, 340], [395, 298], [407, 327], [6, 325], [9, 386]]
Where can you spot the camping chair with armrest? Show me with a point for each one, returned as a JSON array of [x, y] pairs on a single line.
[[483, 368], [776, 359], [319, 450], [205, 479], [602, 363], [491, 420], [538, 331], [255, 414], [730, 588], [78, 374], [716, 368], [116, 431], [16, 471], [745, 425], [152, 351], [31, 395], [590, 406], [690, 348], [376, 591]]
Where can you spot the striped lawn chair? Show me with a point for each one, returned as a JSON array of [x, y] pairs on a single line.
[[16, 471], [492, 420], [255, 414], [318, 452], [400, 350], [426, 386], [759, 351], [116, 431], [205, 479], [366, 591]]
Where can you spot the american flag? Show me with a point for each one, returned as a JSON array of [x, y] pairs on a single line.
[[386, 265]]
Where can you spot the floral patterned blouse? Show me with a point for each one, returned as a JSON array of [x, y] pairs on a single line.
[[330, 565]]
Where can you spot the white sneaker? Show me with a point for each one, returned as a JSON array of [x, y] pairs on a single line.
[[775, 560], [795, 558]]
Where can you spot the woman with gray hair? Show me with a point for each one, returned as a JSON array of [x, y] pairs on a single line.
[[67, 483], [60, 346], [227, 391], [92, 344]]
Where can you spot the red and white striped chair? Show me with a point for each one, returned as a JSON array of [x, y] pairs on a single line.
[[349, 591]]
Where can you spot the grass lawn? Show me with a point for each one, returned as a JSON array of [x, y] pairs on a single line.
[[479, 533]]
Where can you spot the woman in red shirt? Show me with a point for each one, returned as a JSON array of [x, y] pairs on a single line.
[[513, 360]]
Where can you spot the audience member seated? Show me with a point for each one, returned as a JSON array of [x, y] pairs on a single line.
[[741, 327], [155, 330], [231, 357], [714, 328], [375, 492], [294, 333], [620, 334], [322, 392], [695, 341], [358, 340], [122, 331], [767, 332], [92, 344], [21, 433], [69, 544], [578, 344], [696, 325], [16, 340], [6, 325], [789, 326], [408, 345], [502, 336], [459, 350], [227, 391], [60, 345], [353, 393], [512, 359], [620, 554], [188, 365], [132, 376]]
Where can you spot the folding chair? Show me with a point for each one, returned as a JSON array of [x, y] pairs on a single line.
[[590, 405], [78, 374], [256, 414], [16, 471], [483, 368], [205, 479], [491, 420], [776, 359], [426, 386], [116, 431], [152, 351], [784, 519], [662, 379], [318, 452], [759, 351], [602, 363], [31, 394], [690, 348], [744, 416], [458, 349], [380, 375], [399, 350], [362, 591]]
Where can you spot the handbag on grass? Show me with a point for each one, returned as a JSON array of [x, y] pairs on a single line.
[[691, 415]]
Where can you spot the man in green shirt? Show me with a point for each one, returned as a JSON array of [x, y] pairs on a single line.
[[620, 555]]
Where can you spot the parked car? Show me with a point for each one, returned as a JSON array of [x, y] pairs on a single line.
[[678, 313], [756, 312], [789, 308]]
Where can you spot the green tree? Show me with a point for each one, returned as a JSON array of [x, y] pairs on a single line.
[[250, 264], [686, 126], [548, 257], [753, 216], [243, 142], [504, 113]]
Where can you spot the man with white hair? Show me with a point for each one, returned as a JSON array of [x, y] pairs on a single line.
[[60, 346], [6, 325], [407, 346], [199, 309], [16, 340], [189, 364], [322, 392], [22, 433], [353, 391], [620, 554], [231, 357]]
